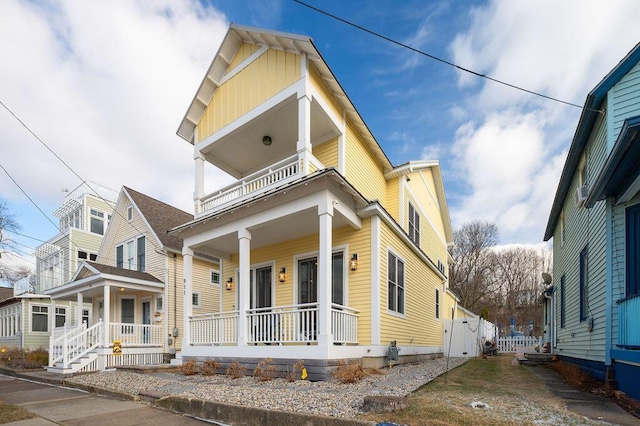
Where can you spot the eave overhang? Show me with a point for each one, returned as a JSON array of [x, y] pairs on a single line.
[[590, 112], [619, 178], [292, 43]]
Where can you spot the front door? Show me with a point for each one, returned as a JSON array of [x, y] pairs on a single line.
[[308, 293], [146, 320], [264, 324], [127, 315]]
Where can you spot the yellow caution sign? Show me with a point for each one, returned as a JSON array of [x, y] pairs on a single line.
[[304, 374], [117, 347]]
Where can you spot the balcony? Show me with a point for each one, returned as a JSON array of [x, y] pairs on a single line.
[[262, 181], [628, 330]]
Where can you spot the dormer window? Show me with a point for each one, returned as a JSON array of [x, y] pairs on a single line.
[[129, 213]]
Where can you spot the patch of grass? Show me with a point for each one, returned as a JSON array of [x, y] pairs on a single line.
[[11, 413], [505, 387], [575, 376]]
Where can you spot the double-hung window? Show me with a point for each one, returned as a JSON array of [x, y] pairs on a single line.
[[97, 222], [61, 316], [132, 254], [414, 225], [39, 318], [395, 281], [215, 277]]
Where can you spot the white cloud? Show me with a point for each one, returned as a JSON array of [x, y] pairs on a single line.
[[105, 85], [511, 153]]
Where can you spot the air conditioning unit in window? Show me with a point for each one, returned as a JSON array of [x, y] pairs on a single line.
[[581, 195]]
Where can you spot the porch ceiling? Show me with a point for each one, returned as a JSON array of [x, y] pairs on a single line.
[[241, 152]]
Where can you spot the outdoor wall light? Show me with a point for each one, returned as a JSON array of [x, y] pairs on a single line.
[[266, 140], [354, 262], [229, 284], [121, 288], [282, 276]]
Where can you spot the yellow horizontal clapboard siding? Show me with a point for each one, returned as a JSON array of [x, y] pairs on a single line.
[[419, 325], [393, 198], [362, 169], [327, 153], [268, 75]]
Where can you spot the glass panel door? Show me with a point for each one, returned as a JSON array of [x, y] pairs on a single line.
[[146, 319], [308, 293]]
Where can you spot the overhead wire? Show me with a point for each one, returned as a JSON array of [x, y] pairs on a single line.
[[444, 61]]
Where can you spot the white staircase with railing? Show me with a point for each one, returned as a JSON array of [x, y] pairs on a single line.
[[75, 348]]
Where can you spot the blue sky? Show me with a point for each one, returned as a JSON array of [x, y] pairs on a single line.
[[105, 84]]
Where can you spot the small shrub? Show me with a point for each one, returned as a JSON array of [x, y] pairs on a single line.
[[189, 367], [295, 372], [349, 373], [235, 370], [265, 371], [210, 367]]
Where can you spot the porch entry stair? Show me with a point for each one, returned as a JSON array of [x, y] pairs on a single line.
[[74, 349]]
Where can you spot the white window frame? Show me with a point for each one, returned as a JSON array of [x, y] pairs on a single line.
[[404, 284], [63, 315], [99, 215], [413, 227], [89, 316], [130, 260], [129, 213], [31, 306], [344, 248], [161, 300], [199, 297], [211, 277], [582, 170], [135, 308]]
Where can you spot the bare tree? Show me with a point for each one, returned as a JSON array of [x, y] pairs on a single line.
[[8, 223], [472, 273]]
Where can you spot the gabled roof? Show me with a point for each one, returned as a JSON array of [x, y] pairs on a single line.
[[592, 107], [161, 217], [99, 268], [292, 43], [5, 293], [416, 166]]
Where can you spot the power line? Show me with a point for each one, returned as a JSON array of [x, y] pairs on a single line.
[[444, 61], [72, 171]]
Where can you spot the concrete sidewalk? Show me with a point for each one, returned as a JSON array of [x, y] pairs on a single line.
[[593, 406], [61, 406]]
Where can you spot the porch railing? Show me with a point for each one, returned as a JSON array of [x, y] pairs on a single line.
[[344, 324], [515, 343], [214, 329], [136, 334], [628, 330], [74, 344], [262, 180], [275, 325]]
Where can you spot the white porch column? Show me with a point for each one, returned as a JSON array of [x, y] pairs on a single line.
[[304, 119], [244, 243], [198, 192], [79, 301], [106, 314], [187, 304], [325, 213], [52, 316]]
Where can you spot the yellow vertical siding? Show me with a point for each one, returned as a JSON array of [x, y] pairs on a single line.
[[419, 326], [327, 153], [362, 169], [323, 90], [244, 51], [283, 255], [268, 75]]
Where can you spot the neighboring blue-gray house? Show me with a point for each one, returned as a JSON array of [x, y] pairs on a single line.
[[595, 225]]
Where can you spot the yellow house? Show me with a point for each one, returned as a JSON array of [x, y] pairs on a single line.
[[328, 251], [135, 290]]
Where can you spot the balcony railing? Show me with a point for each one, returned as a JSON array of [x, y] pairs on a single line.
[[275, 325], [263, 180], [214, 329], [628, 330], [136, 334]]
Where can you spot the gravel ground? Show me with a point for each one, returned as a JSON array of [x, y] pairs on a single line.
[[326, 398]]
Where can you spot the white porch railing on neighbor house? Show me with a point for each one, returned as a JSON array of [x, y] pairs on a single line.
[[262, 180], [514, 343], [214, 329], [136, 334], [275, 325], [74, 344]]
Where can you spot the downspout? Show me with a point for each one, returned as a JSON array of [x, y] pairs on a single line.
[[552, 327]]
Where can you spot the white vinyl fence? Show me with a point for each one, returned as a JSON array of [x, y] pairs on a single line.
[[512, 344], [464, 337]]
